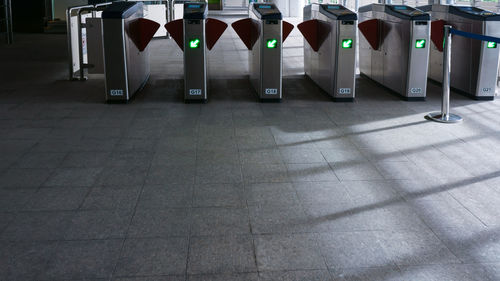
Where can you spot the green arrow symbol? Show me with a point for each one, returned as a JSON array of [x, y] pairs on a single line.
[[271, 44], [420, 44], [347, 43], [193, 44]]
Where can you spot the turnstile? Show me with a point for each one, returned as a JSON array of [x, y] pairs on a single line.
[[474, 63], [263, 34], [394, 48], [195, 34], [330, 51], [126, 35]]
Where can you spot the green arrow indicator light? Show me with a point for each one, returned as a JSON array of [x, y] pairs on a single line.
[[420, 43], [491, 45], [272, 44], [347, 43], [194, 44]]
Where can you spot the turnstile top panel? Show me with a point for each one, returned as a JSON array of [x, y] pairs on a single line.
[[399, 11], [267, 11], [195, 10], [338, 12], [121, 10], [473, 13]]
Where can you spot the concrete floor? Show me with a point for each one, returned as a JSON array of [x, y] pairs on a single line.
[[234, 189]]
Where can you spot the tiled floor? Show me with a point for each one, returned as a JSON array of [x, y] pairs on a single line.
[[234, 189]]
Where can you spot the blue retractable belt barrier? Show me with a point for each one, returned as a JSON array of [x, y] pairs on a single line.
[[474, 36]]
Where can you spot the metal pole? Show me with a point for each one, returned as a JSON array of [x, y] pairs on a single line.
[[8, 22], [445, 116]]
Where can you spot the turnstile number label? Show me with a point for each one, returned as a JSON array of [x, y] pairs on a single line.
[[194, 43], [347, 43], [271, 91], [115, 93], [420, 43], [487, 90], [344, 91], [195, 92], [491, 45], [272, 44], [416, 90]]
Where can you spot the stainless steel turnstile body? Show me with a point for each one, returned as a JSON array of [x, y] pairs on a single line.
[[266, 56], [333, 66], [126, 68], [401, 61], [474, 63], [195, 52]]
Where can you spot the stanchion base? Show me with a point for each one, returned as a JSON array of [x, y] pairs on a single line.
[[439, 117]]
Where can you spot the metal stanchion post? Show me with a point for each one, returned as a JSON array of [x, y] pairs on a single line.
[[8, 22], [445, 116]]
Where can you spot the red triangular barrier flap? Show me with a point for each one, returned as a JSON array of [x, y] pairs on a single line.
[[287, 29], [315, 32], [176, 30], [247, 30], [371, 30], [437, 34], [142, 31], [214, 30]]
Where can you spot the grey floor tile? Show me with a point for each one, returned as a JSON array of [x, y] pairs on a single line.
[[57, 199], [261, 156], [333, 155], [271, 194], [146, 257], [166, 196], [463, 272], [278, 219], [219, 195], [24, 260], [400, 170], [219, 221], [12, 200], [83, 260], [49, 160], [310, 172], [174, 157], [373, 192], [73, 177], [328, 192], [85, 159], [391, 273], [15, 178], [160, 223], [184, 174], [353, 249], [255, 173], [301, 156], [415, 247], [123, 176], [217, 157], [31, 226], [129, 158], [221, 254], [98, 224], [288, 252], [153, 278], [218, 173], [356, 171], [296, 275], [225, 277], [112, 198]]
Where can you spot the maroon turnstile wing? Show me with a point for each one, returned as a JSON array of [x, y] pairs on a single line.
[[287, 29], [214, 30], [141, 31], [247, 30], [176, 30], [371, 30], [315, 32], [437, 34]]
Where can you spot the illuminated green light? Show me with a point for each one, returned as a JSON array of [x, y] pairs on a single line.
[[420, 43], [194, 44], [347, 43], [491, 45], [272, 44]]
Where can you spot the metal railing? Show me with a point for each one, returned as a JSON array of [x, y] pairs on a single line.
[[78, 65], [7, 20]]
